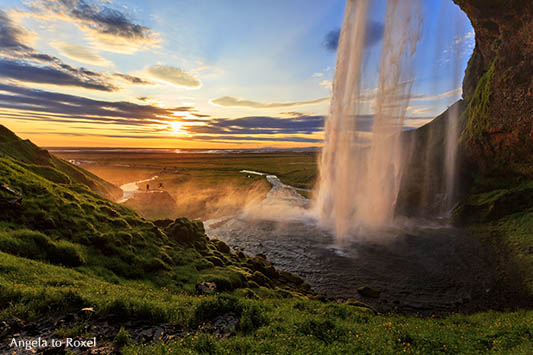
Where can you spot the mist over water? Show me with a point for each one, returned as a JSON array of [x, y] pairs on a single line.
[[358, 184]]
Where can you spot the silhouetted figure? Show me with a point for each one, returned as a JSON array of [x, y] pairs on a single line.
[[147, 187], [160, 185]]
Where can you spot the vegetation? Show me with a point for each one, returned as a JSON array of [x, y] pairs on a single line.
[[43, 163], [477, 111]]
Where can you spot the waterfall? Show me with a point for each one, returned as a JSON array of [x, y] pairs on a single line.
[[358, 180]]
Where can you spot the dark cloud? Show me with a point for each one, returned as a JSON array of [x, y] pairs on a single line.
[[331, 40], [132, 79], [101, 18], [77, 108], [260, 125], [374, 34], [11, 35], [114, 30], [23, 71], [244, 139]]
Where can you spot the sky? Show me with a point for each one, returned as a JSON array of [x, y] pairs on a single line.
[[203, 73]]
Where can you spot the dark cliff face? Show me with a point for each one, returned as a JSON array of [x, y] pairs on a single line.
[[498, 87]]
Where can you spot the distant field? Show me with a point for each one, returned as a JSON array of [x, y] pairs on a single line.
[[204, 185]]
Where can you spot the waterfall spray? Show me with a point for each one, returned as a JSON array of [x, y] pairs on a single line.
[[359, 185], [452, 126]]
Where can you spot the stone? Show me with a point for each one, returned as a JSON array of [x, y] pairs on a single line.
[[367, 291]]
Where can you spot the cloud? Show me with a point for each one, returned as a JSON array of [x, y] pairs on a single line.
[[174, 76], [331, 40], [419, 110], [328, 84], [229, 101], [111, 28], [302, 124], [80, 54], [131, 120], [21, 62], [244, 139], [69, 108], [132, 79], [373, 34], [317, 75], [23, 71], [423, 97], [13, 38]]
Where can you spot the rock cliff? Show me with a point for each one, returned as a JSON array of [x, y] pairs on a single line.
[[498, 88]]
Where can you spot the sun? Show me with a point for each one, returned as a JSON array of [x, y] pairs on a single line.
[[176, 126]]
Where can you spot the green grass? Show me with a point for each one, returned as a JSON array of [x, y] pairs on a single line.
[[268, 324], [50, 167]]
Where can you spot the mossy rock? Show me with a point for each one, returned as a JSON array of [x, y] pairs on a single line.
[[215, 260], [261, 279], [367, 291], [221, 246], [287, 277], [493, 205], [188, 233]]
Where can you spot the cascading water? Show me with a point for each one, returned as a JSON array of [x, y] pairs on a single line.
[[418, 267], [452, 123], [359, 185]]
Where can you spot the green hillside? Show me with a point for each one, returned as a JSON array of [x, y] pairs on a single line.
[[41, 161]]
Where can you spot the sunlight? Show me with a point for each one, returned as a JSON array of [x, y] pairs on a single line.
[[176, 127]]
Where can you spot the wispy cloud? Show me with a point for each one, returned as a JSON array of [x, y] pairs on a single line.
[[230, 101], [23, 71], [111, 29], [131, 79], [80, 54], [328, 84], [13, 38], [455, 93], [174, 76]]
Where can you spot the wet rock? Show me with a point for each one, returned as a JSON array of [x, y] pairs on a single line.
[[367, 291]]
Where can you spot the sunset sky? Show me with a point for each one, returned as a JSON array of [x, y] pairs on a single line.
[[201, 73]]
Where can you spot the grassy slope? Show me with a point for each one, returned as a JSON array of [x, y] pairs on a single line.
[[37, 158]]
